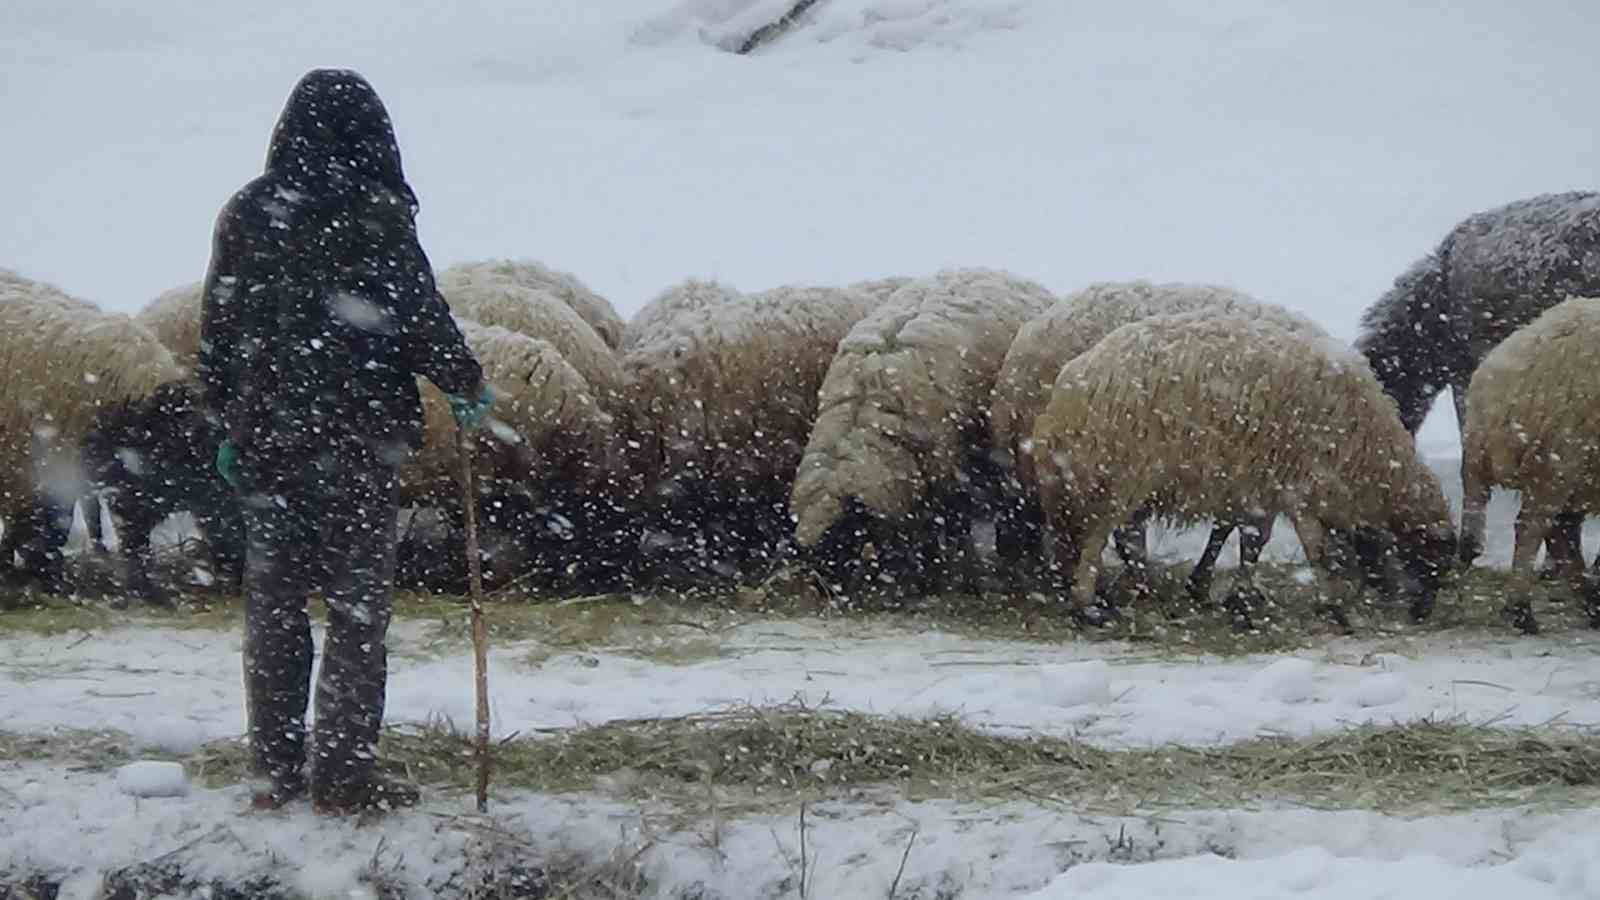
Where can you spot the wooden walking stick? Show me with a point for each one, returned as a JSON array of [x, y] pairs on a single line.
[[480, 630]]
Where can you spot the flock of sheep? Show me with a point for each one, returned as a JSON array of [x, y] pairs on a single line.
[[883, 430]]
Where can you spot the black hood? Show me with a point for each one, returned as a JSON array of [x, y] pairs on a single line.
[[334, 131]]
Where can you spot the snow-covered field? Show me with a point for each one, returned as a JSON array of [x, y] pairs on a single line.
[[174, 690], [171, 690], [1305, 153]]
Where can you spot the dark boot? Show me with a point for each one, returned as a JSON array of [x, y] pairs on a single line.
[[278, 794], [376, 795]]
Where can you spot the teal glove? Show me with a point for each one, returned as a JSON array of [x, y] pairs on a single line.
[[228, 463], [469, 413]]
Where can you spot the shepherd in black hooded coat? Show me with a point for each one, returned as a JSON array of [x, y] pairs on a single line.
[[319, 312]]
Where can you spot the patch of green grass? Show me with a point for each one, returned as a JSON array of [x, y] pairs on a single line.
[[759, 757], [44, 615], [1167, 622], [663, 631], [88, 748], [686, 627], [788, 752]]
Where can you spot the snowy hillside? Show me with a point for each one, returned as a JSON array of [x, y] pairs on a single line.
[[1305, 154]]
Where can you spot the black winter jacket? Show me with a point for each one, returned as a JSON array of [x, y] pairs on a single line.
[[320, 307]]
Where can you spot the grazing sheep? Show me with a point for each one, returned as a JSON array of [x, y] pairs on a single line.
[[726, 396], [902, 435], [174, 318], [1493, 273], [1197, 415], [544, 459], [674, 301], [1068, 328], [592, 308], [154, 456], [1531, 426], [489, 294], [66, 361]]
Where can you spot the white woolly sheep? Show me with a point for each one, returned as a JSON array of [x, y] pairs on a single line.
[[903, 411], [691, 295], [1532, 427], [726, 396], [546, 423], [546, 455], [66, 361], [174, 318], [1068, 328], [1196, 416], [489, 295], [592, 308], [881, 288]]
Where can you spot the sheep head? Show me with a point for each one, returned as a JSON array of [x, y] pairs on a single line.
[[156, 450]]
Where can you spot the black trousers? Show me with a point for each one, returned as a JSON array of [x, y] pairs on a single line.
[[329, 530]]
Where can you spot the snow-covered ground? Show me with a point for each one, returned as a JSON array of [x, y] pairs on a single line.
[[1305, 153], [975, 852], [174, 689]]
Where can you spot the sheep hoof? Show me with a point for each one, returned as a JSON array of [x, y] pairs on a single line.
[[1239, 602], [1242, 623], [1133, 586], [1336, 614], [1097, 615], [1591, 602], [143, 589], [1421, 609], [1520, 616], [1199, 591]]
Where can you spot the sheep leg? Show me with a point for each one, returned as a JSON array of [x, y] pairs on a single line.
[[1331, 577], [1085, 568], [956, 547], [1474, 506], [1533, 526], [1254, 530], [9, 539], [1564, 550], [1017, 531], [1198, 584], [224, 532], [1591, 596], [94, 534], [1132, 547], [136, 517], [41, 534], [1380, 565]]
